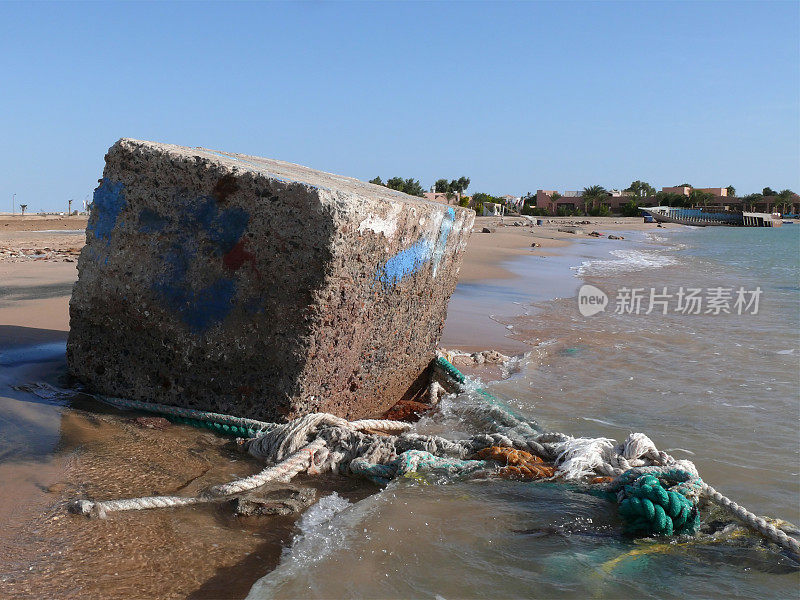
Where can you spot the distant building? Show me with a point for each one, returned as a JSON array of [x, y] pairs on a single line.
[[620, 194], [683, 190], [719, 192], [572, 200], [491, 209], [442, 197]]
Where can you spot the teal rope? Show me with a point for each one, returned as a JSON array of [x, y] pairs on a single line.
[[458, 379], [221, 428], [659, 503], [217, 422]]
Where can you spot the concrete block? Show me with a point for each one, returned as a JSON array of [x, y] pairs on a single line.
[[257, 287]]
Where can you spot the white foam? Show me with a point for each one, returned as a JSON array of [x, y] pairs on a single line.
[[625, 261], [320, 534]]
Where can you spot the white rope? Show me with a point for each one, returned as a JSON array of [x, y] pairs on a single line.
[[282, 472], [766, 529], [380, 425], [99, 509]]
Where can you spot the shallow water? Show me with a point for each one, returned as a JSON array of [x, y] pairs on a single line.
[[721, 390]]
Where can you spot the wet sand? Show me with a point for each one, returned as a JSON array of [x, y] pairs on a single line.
[[52, 452]]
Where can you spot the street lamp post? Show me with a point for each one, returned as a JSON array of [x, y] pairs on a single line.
[[13, 203]]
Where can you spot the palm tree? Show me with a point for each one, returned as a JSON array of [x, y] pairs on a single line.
[[592, 195]]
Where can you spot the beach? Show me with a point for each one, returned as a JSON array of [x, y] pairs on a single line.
[[604, 377]]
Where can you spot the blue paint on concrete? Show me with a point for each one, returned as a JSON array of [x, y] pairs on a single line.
[[199, 225], [199, 308], [107, 204], [405, 262], [151, 222], [223, 227], [411, 260]]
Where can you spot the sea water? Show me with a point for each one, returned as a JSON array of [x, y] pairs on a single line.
[[716, 383]]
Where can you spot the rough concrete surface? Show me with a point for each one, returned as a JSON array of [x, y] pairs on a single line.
[[257, 287]]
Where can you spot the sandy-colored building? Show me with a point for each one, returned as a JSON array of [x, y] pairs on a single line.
[[719, 192], [683, 190], [442, 197]]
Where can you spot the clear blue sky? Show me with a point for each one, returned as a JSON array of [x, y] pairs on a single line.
[[516, 96]]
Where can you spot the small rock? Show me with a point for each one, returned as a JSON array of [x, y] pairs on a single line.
[[595, 234], [280, 503], [486, 230], [536, 245]]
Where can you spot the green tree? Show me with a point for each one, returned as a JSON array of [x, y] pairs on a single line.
[[670, 199], [376, 181], [480, 198], [768, 191], [459, 185], [442, 186], [641, 189], [413, 187], [593, 195], [409, 186], [601, 210], [785, 198], [750, 200], [686, 185], [555, 196], [700, 198], [731, 191], [630, 209], [396, 183]]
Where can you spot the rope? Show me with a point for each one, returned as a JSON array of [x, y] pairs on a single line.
[[282, 472], [659, 506], [644, 477], [768, 530]]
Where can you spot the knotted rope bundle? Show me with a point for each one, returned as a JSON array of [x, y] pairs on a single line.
[[658, 503]]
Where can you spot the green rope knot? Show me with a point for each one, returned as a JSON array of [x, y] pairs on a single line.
[[658, 503]]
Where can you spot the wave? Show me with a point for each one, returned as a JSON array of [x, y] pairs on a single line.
[[321, 533], [625, 261]]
